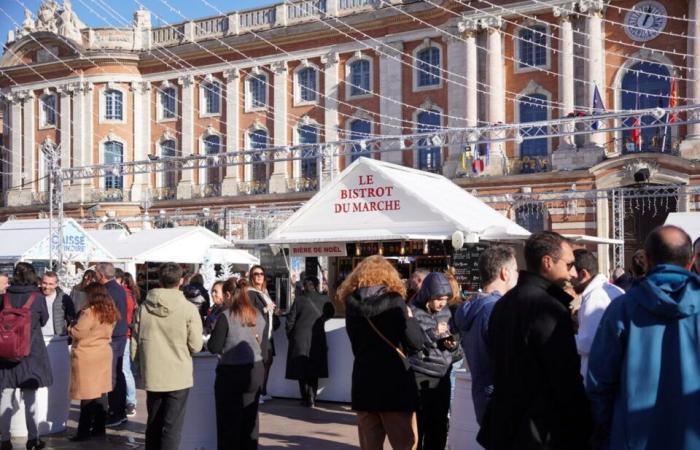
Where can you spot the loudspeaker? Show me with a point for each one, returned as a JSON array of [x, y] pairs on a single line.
[[642, 176]]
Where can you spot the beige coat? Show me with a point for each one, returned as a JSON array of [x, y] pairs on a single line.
[[91, 357], [167, 329]]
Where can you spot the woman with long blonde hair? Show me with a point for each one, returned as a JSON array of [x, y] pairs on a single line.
[[382, 333]]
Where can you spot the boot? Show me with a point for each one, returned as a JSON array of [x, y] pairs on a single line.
[[35, 444], [98, 425], [84, 421]]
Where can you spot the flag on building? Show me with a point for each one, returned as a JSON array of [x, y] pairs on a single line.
[[598, 106], [673, 101]]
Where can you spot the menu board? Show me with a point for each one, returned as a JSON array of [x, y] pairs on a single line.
[[466, 264]]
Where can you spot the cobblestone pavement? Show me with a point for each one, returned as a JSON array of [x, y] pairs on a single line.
[[284, 424]]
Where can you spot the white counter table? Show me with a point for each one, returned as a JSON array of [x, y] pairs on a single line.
[[53, 403]]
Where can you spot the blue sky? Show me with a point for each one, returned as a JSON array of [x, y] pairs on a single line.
[[97, 13]]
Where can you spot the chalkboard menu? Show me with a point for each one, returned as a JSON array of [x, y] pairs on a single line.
[[466, 264]]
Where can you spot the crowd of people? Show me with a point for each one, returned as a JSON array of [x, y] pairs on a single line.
[[560, 356]]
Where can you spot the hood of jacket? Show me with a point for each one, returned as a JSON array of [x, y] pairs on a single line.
[[469, 311], [670, 291], [162, 302], [192, 290], [370, 301], [434, 285]]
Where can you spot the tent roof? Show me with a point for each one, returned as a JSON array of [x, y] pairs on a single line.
[[376, 200], [29, 240], [689, 221], [186, 245]]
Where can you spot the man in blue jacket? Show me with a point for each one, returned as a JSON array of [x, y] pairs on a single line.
[[644, 366]]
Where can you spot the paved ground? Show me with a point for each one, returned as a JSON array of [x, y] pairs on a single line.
[[284, 424]]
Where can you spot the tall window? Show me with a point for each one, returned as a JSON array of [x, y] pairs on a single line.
[[168, 103], [307, 84], [428, 152], [360, 131], [532, 47], [170, 176], [646, 85], [533, 108], [258, 141], [360, 77], [114, 104], [308, 134], [48, 110], [257, 88], [212, 146], [530, 217], [212, 98], [428, 67], [114, 154]]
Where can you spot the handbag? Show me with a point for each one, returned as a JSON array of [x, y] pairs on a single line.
[[402, 355]]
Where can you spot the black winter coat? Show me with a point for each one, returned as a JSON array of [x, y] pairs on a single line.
[[266, 345], [539, 400], [381, 379], [433, 360], [307, 356], [34, 371]]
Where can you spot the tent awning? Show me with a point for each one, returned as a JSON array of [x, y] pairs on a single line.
[[374, 200], [227, 255], [585, 239]]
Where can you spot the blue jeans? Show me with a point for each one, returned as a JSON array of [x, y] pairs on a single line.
[[129, 376]]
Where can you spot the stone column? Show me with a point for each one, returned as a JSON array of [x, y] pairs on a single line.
[[142, 135], [73, 193], [64, 124], [330, 94], [690, 146], [596, 58], [280, 172], [185, 187], [30, 170], [89, 117], [233, 90], [15, 150], [456, 100], [390, 82], [472, 77], [566, 70], [495, 81]]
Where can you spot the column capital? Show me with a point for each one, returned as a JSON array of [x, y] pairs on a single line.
[[25, 96], [232, 74], [329, 59], [186, 81], [468, 26], [279, 67], [491, 23], [592, 6], [64, 90], [140, 87], [564, 12]]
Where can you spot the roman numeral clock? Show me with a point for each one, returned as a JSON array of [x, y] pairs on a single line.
[[646, 21]]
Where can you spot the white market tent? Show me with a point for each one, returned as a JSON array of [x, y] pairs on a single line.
[[29, 240], [689, 221], [374, 200], [182, 245]]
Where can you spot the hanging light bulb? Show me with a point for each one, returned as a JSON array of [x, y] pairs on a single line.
[[381, 249], [402, 250], [358, 252], [425, 247]]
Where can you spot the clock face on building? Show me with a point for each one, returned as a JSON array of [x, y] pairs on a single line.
[[646, 20]]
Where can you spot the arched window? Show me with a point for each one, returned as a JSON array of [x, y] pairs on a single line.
[[171, 175], [308, 134], [168, 103], [360, 131], [646, 85], [114, 154], [428, 152], [48, 110], [257, 88], [360, 77], [212, 97], [428, 68], [212, 146], [530, 217], [307, 84], [114, 104], [533, 108], [532, 46], [258, 141]]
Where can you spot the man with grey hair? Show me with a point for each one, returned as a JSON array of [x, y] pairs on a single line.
[[104, 273], [499, 273]]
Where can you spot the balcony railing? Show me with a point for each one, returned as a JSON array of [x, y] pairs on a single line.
[[207, 190], [40, 198], [110, 195], [253, 187], [165, 193], [531, 164], [302, 184]]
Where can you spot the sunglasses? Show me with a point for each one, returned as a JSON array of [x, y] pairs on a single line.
[[255, 274]]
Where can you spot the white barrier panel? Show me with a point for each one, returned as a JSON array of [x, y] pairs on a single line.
[[52, 403], [337, 386], [463, 425], [199, 428]]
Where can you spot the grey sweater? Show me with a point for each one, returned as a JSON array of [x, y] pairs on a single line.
[[237, 344]]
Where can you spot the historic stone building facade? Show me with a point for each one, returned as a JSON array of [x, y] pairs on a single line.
[[322, 71]]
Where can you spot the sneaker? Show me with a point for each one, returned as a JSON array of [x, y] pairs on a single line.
[[266, 397], [113, 421], [35, 444], [130, 410]]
